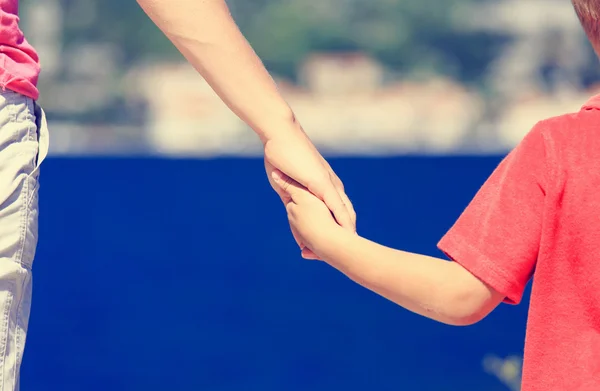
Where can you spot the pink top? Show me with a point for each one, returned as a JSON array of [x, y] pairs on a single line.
[[19, 63]]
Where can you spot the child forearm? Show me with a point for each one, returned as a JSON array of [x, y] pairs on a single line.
[[205, 33], [432, 287]]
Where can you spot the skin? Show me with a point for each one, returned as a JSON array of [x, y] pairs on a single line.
[[438, 289], [207, 36]]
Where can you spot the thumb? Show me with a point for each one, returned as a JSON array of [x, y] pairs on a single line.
[[285, 183], [336, 205]]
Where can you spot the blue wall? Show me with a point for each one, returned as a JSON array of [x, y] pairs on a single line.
[[181, 275]]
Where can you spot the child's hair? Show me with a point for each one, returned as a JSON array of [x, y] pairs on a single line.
[[588, 12]]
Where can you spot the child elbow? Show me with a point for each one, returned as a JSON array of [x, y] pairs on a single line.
[[469, 307], [467, 319]]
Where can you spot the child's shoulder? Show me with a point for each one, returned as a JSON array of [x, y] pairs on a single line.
[[569, 134], [560, 124], [571, 127]]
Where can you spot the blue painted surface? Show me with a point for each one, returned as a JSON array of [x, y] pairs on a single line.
[[181, 275]]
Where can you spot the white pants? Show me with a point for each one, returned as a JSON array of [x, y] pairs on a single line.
[[23, 146]]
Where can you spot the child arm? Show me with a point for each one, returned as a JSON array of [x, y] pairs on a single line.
[[438, 289], [432, 287]]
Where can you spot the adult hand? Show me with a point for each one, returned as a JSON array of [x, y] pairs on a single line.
[[294, 155], [308, 216]]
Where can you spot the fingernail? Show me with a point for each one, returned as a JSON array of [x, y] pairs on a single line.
[[275, 175]]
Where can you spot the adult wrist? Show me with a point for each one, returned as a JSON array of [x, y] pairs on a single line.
[[287, 125]]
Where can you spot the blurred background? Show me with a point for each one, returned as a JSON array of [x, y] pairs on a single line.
[[152, 275]]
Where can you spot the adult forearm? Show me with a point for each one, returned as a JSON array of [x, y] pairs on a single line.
[[206, 34], [432, 287]]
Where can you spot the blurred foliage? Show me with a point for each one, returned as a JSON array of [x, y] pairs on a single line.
[[118, 21], [408, 36]]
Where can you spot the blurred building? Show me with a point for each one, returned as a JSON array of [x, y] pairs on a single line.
[[342, 103], [341, 73], [185, 117]]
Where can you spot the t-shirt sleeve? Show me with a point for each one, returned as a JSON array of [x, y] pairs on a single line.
[[497, 237]]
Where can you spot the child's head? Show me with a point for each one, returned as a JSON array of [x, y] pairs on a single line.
[[588, 12]]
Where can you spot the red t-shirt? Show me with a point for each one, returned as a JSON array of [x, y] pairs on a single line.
[[538, 215], [19, 63]]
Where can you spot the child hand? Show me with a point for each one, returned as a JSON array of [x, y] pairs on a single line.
[[311, 221]]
